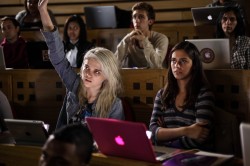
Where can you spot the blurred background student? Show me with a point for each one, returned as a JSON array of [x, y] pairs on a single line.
[[30, 17], [14, 46], [75, 40], [231, 3], [71, 145], [230, 25]]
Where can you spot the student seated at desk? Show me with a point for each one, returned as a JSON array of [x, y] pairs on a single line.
[[182, 115], [30, 17], [231, 3], [94, 91], [75, 40], [71, 145], [14, 46], [230, 25], [142, 47]]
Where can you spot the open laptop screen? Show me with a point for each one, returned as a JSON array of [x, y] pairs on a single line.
[[215, 53], [104, 17], [27, 132], [206, 15]]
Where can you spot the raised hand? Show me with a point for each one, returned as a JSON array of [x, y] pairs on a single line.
[[44, 14], [42, 5]]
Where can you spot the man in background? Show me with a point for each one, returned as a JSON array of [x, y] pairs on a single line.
[[70, 145], [142, 47], [14, 46]]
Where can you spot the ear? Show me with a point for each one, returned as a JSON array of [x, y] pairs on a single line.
[[151, 22]]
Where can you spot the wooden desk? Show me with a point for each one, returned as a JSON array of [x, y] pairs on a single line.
[[11, 155]]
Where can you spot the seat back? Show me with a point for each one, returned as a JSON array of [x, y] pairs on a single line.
[[227, 137]]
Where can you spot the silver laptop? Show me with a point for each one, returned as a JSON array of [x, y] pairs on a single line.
[[27, 132], [2, 60], [245, 143], [215, 53], [206, 15]]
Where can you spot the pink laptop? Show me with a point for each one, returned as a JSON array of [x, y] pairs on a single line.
[[125, 139]]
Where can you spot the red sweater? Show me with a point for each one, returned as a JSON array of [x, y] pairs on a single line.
[[15, 54]]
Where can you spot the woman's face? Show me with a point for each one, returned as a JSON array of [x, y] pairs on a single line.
[[92, 74], [228, 22], [73, 31], [181, 65], [32, 6]]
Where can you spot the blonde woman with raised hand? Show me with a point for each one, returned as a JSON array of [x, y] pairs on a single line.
[[94, 91]]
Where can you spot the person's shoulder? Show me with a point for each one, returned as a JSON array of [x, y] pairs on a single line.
[[20, 13], [206, 90], [21, 39], [244, 39], [3, 41], [158, 35], [118, 100]]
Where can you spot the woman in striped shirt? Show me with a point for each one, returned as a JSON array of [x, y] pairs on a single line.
[[182, 116]]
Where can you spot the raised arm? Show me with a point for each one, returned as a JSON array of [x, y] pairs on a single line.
[[45, 17]]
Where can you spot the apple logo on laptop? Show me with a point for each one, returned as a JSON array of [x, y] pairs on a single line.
[[207, 55], [119, 140], [209, 17]]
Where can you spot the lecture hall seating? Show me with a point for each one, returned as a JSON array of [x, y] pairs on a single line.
[[173, 17]]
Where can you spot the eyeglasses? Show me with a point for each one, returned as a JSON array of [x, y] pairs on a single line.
[[231, 19]]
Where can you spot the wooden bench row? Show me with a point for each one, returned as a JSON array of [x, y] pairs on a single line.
[[173, 11], [173, 18], [38, 94]]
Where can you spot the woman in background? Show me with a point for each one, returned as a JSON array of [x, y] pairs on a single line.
[[30, 17], [230, 25], [75, 40], [182, 115]]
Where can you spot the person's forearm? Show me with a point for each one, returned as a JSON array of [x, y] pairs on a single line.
[[46, 21], [165, 134], [44, 14]]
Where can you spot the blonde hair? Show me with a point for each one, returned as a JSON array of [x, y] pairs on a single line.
[[111, 87]]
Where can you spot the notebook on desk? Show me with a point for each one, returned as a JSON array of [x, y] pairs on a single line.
[[126, 139], [206, 15], [215, 53], [27, 132], [245, 143]]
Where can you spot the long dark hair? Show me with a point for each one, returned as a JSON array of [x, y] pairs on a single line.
[[240, 27], [83, 34], [198, 78]]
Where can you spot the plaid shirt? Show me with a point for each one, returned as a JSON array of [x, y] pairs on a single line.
[[240, 58]]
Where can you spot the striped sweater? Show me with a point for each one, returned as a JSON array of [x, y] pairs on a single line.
[[202, 112]]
